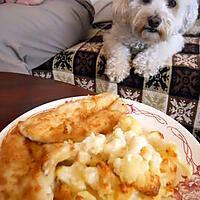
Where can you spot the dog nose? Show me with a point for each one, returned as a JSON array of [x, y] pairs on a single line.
[[154, 21]]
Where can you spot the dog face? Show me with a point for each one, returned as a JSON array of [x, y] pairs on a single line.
[[155, 20]]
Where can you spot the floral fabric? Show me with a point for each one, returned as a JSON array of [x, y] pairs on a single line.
[[175, 90]]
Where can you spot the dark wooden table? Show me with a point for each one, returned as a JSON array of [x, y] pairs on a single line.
[[19, 93]]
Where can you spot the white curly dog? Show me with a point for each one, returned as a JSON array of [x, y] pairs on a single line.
[[153, 27]]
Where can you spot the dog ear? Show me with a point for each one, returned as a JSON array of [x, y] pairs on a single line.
[[120, 11], [190, 16]]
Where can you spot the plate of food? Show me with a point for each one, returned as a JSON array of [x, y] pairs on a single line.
[[98, 147]]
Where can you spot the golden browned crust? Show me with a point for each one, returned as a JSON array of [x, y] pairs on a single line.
[[57, 125], [150, 187], [62, 192]]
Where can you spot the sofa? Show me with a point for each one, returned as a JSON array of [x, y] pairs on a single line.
[[175, 90], [31, 35]]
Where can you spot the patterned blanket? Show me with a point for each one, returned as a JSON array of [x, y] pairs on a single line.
[[175, 90]]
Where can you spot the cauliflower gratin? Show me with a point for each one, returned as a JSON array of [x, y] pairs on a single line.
[[88, 149], [126, 164]]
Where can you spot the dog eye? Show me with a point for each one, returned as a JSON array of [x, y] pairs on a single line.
[[171, 3], [146, 1]]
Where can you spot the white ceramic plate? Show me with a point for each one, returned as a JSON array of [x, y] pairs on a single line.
[[151, 119]]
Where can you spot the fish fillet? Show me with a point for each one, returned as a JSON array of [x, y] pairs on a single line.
[[27, 168], [74, 120]]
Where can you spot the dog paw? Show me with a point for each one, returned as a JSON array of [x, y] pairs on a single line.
[[145, 65], [117, 71]]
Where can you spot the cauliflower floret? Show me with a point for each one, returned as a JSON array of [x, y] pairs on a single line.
[[129, 135], [92, 144], [138, 159], [91, 176], [136, 144], [72, 176], [127, 123], [152, 157], [129, 170], [83, 157], [115, 143]]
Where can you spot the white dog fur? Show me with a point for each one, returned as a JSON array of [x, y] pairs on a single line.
[[130, 26]]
